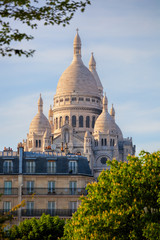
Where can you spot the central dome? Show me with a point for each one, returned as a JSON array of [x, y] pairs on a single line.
[[77, 78]]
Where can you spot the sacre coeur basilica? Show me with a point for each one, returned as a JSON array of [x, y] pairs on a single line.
[[79, 122], [62, 154]]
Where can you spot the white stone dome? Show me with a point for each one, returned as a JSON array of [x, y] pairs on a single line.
[[105, 123], [40, 123], [77, 78]]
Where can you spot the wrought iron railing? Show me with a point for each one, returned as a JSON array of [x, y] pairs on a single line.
[[52, 212], [54, 191], [8, 212], [9, 191]]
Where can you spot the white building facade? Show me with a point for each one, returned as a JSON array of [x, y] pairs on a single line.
[[79, 121]]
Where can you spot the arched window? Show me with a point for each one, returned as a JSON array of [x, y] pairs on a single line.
[[93, 121], [80, 121], [66, 136], [102, 141], [111, 142], [66, 120], [56, 123], [60, 122], [73, 121], [87, 122], [39, 143], [105, 142]]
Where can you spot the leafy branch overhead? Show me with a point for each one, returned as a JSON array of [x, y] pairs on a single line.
[[30, 13]]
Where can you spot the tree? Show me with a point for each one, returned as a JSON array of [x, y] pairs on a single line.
[[6, 217], [29, 13], [45, 228], [124, 203]]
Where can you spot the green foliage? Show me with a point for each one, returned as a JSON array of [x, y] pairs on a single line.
[[45, 228], [124, 204], [29, 13]]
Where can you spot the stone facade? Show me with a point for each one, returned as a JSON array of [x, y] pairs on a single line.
[[79, 121], [49, 182]]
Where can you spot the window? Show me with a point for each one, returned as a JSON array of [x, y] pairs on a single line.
[[88, 99], [105, 142], [73, 121], [72, 167], [112, 142], [66, 136], [103, 160], [51, 187], [7, 187], [80, 121], [73, 207], [8, 166], [74, 98], [30, 208], [30, 166], [102, 141], [93, 100], [93, 121], [87, 122], [36, 143], [66, 99], [51, 208], [60, 122], [66, 120], [81, 99], [73, 188], [7, 206], [39, 143], [51, 167], [96, 143], [56, 123], [30, 187], [61, 100]]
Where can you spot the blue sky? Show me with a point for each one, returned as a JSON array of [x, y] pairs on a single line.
[[125, 38]]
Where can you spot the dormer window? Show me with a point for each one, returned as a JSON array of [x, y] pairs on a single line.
[[51, 167], [30, 166], [73, 167], [8, 166]]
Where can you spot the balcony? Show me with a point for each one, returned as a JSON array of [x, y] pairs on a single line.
[[8, 213], [54, 191], [9, 191], [52, 212]]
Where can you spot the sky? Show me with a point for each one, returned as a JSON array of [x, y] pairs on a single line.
[[124, 36]]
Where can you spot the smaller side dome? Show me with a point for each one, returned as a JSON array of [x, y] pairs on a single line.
[[40, 123]]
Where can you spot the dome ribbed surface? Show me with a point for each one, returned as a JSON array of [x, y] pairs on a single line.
[[104, 123], [39, 124], [77, 78]]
